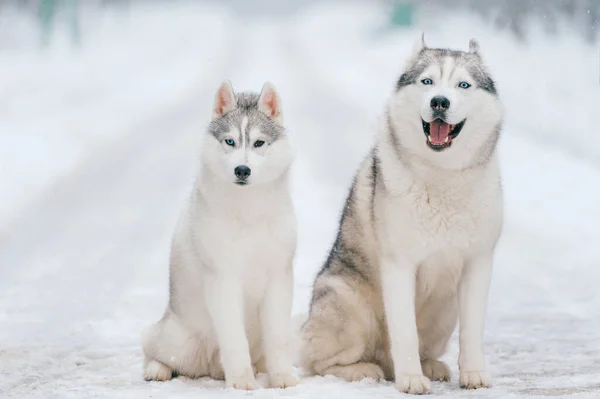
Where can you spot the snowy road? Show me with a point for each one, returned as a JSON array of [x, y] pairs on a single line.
[[83, 266]]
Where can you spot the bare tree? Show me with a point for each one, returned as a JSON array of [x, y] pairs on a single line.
[[515, 15]]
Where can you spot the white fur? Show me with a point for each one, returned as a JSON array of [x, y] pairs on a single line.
[[231, 273], [444, 214], [426, 260]]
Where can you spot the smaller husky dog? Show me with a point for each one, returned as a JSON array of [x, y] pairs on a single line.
[[229, 311], [417, 236]]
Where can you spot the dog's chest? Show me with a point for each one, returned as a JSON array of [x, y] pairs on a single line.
[[249, 249], [266, 251], [444, 215], [430, 219]]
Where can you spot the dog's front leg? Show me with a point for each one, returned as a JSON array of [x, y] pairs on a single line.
[[472, 297], [398, 281], [276, 326], [225, 302]]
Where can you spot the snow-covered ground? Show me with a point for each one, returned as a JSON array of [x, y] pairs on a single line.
[[97, 152]]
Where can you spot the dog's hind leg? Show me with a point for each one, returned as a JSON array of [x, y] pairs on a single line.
[[170, 348], [155, 370], [356, 371], [338, 352], [336, 336]]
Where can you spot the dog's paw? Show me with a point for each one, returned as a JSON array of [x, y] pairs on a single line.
[[259, 366], [157, 371], [245, 381], [356, 372], [436, 370], [361, 371], [475, 379], [216, 373], [282, 380], [413, 384]]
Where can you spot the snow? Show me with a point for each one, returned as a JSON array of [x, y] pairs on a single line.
[[123, 76], [98, 149]]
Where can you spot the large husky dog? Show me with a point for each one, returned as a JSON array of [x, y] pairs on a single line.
[[417, 235], [228, 315]]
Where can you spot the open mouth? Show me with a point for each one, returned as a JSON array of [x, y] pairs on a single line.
[[440, 134]]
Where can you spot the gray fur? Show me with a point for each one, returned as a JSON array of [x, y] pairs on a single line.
[[321, 293], [473, 46], [375, 179], [246, 106], [346, 256], [409, 208], [219, 322], [410, 76], [394, 139], [429, 56], [488, 150]]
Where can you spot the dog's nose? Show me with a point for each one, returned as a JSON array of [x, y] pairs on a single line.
[[242, 172], [439, 103]]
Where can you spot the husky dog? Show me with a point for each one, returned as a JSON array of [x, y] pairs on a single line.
[[417, 235], [229, 310]]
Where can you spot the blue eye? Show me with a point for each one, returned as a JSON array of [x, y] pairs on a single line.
[[427, 81], [230, 142], [259, 143], [464, 85]]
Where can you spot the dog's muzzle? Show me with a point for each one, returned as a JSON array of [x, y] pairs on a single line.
[[440, 134]]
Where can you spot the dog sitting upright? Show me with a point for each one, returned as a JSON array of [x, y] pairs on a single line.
[[417, 237], [231, 276]]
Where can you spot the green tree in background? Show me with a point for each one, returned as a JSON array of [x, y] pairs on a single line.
[[47, 16]]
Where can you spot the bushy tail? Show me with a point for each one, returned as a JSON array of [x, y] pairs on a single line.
[[296, 346]]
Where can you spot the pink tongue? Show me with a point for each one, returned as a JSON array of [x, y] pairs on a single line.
[[438, 132]]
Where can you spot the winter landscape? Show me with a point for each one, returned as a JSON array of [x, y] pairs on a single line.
[[98, 148]]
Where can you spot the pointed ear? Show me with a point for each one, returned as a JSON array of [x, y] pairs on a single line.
[[473, 47], [418, 46], [224, 100], [269, 102]]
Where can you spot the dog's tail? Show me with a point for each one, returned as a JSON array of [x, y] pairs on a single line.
[[297, 323]]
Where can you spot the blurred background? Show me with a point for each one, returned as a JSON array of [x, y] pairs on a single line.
[[102, 108]]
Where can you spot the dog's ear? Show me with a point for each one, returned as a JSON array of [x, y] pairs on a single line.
[[269, 102], [418, 46], [473, 47], [224, 100]]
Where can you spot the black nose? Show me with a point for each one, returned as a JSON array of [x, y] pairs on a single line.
[[440, 103], [242, 172]]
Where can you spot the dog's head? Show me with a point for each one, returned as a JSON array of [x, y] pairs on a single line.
[[445, 107], [246, 142]]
